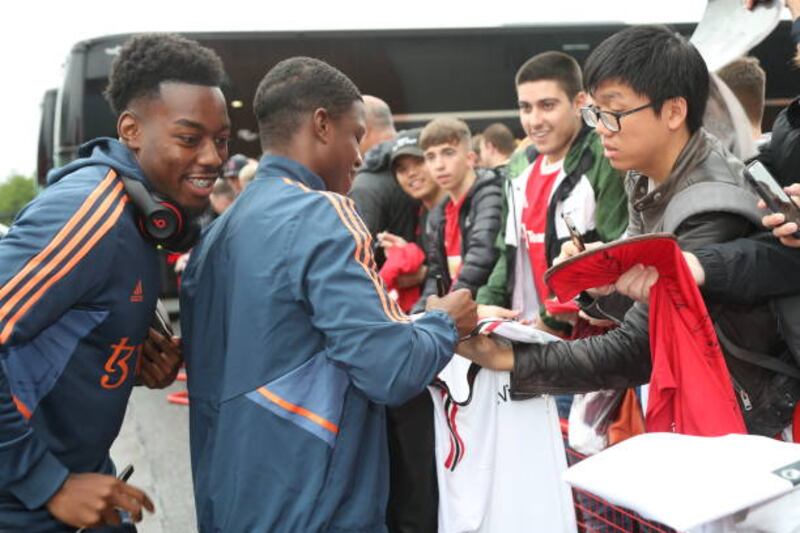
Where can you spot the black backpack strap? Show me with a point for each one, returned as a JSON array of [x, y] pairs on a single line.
[[755, 358]]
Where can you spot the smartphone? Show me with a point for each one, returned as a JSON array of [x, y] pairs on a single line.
[[577, 240], [772, 193], [161, 322]]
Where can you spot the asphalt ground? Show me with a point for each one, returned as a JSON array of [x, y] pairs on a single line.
[[155, 439]]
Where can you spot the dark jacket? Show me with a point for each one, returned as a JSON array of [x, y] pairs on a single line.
[[380, 201], [703, 201], [479, 220], [782, 154], [78, 287], [752, 270]]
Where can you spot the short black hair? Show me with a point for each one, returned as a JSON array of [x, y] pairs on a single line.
[[147, 60], [557, 66], [656, 63], [296, 87]]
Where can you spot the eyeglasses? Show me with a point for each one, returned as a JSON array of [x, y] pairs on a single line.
[[611, 119]]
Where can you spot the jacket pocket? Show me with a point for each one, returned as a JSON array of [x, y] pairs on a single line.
[[311, 396]]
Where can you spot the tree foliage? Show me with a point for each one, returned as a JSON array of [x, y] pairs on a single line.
[[15, 193]]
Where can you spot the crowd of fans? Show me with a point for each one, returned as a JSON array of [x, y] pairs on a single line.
[[453, 224]]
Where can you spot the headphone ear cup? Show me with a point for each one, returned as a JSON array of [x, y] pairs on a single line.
[[184, 240], [161, 221]]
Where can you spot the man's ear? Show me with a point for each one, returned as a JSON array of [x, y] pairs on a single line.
[[129, 130], [675, 110], [581, 100], [322, 125], [472, 158]]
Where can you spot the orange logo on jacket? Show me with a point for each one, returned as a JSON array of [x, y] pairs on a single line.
[[138, 294], [116, 366]]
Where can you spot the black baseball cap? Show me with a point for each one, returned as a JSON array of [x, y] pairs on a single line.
[[406, 143]]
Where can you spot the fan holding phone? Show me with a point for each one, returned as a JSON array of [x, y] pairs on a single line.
[[785, 217]]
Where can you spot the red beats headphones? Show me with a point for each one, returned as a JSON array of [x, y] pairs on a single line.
[[161, 221]]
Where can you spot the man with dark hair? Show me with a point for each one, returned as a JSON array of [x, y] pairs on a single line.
[[79, 282], [292, 344], [650, 86], [496, 146], [568, 176], [747, 80], [381, 203]]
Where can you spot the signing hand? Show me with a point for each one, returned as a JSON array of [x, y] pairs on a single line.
[[92, 500], [460, 306]]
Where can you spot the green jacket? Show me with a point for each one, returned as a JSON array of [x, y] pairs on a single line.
[[587, 172]]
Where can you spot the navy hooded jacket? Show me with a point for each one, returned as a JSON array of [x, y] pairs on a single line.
[[292, 348], [78, 287]]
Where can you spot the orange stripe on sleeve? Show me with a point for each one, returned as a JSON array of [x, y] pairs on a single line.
[[22, 408], [369, 263], [65, 251], [341, 211], [296, 409], [60, 236], [67, 268]]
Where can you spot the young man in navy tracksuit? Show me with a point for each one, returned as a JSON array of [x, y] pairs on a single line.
[[292, 344], [78, 288]]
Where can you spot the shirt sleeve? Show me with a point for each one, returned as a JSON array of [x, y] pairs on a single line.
[[54, 255], [386, 355]]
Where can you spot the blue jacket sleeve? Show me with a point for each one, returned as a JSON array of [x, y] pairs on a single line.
[[52, 258], [386, 355]]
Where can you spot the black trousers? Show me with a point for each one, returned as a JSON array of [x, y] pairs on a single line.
[[413, 493]]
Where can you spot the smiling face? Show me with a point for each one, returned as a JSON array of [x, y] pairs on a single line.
[[413, 177], [180, 139], [550, 119]]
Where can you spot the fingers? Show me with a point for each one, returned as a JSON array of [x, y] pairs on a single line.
[[130, 499], [636, 282], [773, 220], [793, 189], [785, 230]]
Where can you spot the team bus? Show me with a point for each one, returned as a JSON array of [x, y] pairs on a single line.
[[422, 74]]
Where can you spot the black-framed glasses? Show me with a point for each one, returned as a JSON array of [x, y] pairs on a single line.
[[592, 115]]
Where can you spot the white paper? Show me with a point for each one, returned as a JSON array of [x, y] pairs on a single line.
[[685, 481], [515, 331], [728, 30]]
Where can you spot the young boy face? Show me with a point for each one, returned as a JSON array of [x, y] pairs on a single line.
[[639, 143], [450, 163], [550, 119], [413, 177]]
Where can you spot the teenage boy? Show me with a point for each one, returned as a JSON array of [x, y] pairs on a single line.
[[291, 360], [78, 286], [650, 87], [569, 177], [464, 227]]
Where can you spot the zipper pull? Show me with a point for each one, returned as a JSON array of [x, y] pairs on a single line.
[[746, 403]]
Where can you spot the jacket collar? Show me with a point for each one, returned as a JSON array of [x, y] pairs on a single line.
[[275, 166], [696, 150]]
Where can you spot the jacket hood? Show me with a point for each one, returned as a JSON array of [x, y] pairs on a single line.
[[103, 151], [377, 158]]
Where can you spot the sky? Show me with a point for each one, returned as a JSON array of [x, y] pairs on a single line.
[[36, 39]]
